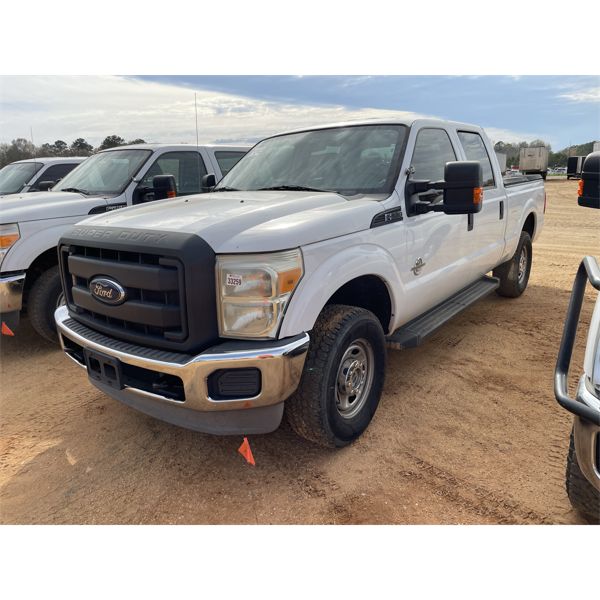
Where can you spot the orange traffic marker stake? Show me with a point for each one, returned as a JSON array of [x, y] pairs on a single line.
[[245, 451], [6, 330]]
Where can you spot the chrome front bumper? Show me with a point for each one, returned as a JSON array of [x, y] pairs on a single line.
[[11, 293], [280, 363], [585, 435]]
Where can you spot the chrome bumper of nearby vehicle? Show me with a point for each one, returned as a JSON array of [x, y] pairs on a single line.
[[586, 437], [280, 364], [11, 293]]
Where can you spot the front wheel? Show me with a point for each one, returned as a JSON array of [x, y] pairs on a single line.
[[584, 497], [514, 273], [342, 379], [45, 297]]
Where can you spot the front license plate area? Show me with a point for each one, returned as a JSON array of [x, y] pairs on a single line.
[[103, 368]]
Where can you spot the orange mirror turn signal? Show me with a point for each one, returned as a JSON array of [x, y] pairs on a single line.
[[580, 188], [477, 195]]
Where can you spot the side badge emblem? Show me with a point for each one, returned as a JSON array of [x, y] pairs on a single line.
[[418, 266]]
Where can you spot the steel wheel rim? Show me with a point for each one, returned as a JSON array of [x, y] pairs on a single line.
[[522, 265], [354, 378]]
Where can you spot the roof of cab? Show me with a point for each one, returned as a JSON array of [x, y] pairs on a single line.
[[158, 146], [382, 121], [52, 160]]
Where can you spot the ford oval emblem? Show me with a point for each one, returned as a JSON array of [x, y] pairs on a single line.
[[107, 290]]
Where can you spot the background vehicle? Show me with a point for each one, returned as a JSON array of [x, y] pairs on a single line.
[[534, 161], [596, 147], [31, 224], [320, 248], [574, 166], [583, 460], [24, 176]]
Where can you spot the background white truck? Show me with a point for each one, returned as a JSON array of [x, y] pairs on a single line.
[[534, 161], [28, 175], [285, 285], [582, 477], [31, 224]]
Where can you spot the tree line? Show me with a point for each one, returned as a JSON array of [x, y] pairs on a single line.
[[21, 149], [555, 159]]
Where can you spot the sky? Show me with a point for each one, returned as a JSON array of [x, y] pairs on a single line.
[[561, 110]]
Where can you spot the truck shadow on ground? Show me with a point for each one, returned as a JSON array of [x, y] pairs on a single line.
[[88, 459]]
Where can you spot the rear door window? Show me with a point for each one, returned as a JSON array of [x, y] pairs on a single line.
[[475, 150], [55, 172], [227, 159]]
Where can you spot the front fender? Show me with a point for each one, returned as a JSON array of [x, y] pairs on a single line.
[[36, 238], [324, 275]]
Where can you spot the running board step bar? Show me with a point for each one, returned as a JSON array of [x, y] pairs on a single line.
[[413, 333]]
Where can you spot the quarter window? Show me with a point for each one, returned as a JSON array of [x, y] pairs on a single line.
[[433, 149], [475, 150]]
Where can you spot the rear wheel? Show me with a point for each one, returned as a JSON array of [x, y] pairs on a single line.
[[342, 379], [583, 496], [514, 273], [45, 297]]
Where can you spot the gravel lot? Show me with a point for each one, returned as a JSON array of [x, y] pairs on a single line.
[[467, 431]]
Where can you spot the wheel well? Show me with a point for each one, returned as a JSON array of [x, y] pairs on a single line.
[[369, 292], [529, 225], [42, 263]]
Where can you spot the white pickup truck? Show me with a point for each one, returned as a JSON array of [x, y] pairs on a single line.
[[35, 174], [31, 224], [285, 284]]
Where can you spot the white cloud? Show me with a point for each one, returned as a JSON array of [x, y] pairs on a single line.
[[92, 107], [588, 95]]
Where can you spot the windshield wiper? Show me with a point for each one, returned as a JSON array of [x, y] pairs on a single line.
[[76, 190], [292, 188], [226, 189]]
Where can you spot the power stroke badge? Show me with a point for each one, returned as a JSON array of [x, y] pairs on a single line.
[[107, 290]]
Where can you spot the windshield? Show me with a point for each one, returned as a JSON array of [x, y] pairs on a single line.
[[104, 173], [348, 160], [14, 177]]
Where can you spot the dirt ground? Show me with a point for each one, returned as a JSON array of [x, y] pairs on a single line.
[[467, 431]]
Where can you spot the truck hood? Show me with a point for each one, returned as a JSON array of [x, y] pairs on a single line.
[[259, 221], [35, 206]]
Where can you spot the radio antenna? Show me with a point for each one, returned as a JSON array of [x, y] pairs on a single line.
[[196, 110]]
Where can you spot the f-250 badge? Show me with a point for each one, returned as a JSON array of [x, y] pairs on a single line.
[[418, 266]]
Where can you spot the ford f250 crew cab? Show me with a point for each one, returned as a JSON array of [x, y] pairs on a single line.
[[34, 174], [284, 285], [583, 459], [31, 224]]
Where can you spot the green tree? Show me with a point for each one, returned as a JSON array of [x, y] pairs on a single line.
[[20, 149], [80, 147], [111, 141], [137, 141], [60, 148]]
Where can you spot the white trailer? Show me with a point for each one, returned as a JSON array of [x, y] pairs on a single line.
[[534, 160]]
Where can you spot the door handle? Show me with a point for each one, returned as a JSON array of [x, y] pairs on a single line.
[[501, 209]]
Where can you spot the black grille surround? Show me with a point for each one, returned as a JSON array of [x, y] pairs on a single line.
[[169, 279]]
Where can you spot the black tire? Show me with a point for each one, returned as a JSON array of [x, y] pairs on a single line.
[[43, 301], [584, 497], [513, 281], [341, 332]]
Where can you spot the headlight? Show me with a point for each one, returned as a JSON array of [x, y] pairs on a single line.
[[253, 291], [9, 234]]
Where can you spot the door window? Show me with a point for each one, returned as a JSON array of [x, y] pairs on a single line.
[[55, 173], [187, 167], [433, 149], [475, 150]]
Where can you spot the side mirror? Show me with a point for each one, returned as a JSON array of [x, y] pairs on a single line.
[[44, 186], [164, 187], [589, 184], [463, 187], [208, 182]]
